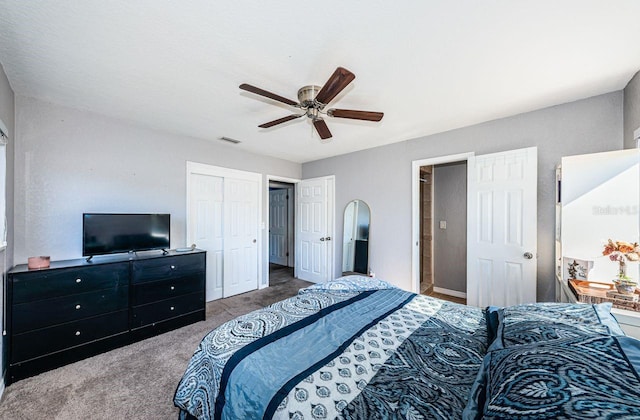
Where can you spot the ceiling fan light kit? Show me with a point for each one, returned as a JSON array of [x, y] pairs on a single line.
[[313, 99]]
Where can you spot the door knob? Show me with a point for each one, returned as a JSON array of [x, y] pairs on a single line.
[[322, 239], [328, 238], [528, 255], [254, 241]]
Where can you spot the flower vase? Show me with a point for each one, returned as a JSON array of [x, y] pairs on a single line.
[[622, 270], [623, 283]]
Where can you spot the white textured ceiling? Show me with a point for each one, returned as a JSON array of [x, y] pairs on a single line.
[[430, 66]]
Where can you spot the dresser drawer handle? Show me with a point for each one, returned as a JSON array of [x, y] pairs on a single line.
[[172, 308], [173, 288], [77, 306], [78, 280], [173, 267], [77, 332]]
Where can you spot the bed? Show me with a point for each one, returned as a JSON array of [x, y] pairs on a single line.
[[360, 348]]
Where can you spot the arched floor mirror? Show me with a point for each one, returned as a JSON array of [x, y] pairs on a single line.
[[355, 242]]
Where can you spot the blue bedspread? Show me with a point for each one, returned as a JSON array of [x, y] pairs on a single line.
[[583, 377], [359, 348], [558, 361], [334, 351]]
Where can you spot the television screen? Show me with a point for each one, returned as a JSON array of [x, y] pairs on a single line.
[[112, 233]]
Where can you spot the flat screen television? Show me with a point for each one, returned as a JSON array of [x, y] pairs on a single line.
[[111, 233]]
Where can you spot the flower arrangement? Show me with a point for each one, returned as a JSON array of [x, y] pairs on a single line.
[[622, 252]]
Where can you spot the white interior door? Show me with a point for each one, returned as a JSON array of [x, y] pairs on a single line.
[[240, 236], [291, 210], [314, 230], [278, 226], [206, 227], [501, 228]]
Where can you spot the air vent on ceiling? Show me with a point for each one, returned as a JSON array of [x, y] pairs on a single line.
[[230, 140]]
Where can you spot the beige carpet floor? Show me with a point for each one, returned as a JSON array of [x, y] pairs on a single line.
[[133, 382]]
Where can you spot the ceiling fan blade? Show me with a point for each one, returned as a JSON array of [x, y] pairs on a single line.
[[356, 115], [280, 121], [266, 94], [322, 129], [338, 81]]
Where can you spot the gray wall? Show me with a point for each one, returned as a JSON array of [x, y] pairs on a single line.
[[631, 110], [7, 114], [382, 176], [450, 244], [69, 162]]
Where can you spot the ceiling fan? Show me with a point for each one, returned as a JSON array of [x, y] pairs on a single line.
[[313, 100]]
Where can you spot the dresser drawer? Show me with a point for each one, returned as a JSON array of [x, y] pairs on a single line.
[[33, 315], [167, 267], [143, 293], [48, 340], [166, 309], [46, 284]]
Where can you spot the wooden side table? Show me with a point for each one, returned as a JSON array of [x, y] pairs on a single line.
[[595, 292]]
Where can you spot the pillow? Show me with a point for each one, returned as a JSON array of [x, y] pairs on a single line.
[[351, 283], [589, 376], [544, 322]]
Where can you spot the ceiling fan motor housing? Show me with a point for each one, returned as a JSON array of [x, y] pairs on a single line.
[[307, 95]]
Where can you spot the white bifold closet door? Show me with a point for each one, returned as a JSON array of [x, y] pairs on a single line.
[[223, 218], [240, 236]]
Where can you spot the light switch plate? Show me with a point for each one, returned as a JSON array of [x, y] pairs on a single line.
[[443, 224]]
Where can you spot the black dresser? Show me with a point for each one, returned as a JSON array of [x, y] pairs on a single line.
[[76, 309]]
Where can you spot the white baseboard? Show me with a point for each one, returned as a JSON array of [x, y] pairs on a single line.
[[449, 292]]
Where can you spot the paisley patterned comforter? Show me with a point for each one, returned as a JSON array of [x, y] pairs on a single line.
[[359, 348], [353, 348], [558, 361]]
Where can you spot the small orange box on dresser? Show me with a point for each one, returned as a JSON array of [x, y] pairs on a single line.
[[38, 262]]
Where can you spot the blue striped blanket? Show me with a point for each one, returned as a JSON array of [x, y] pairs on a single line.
[[352, 348]]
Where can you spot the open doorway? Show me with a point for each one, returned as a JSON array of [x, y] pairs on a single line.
[[443, 230], [426, 230], [281, 232], [501, 229]]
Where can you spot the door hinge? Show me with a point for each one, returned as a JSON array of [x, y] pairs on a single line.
[[287, 254], [287, 196]]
